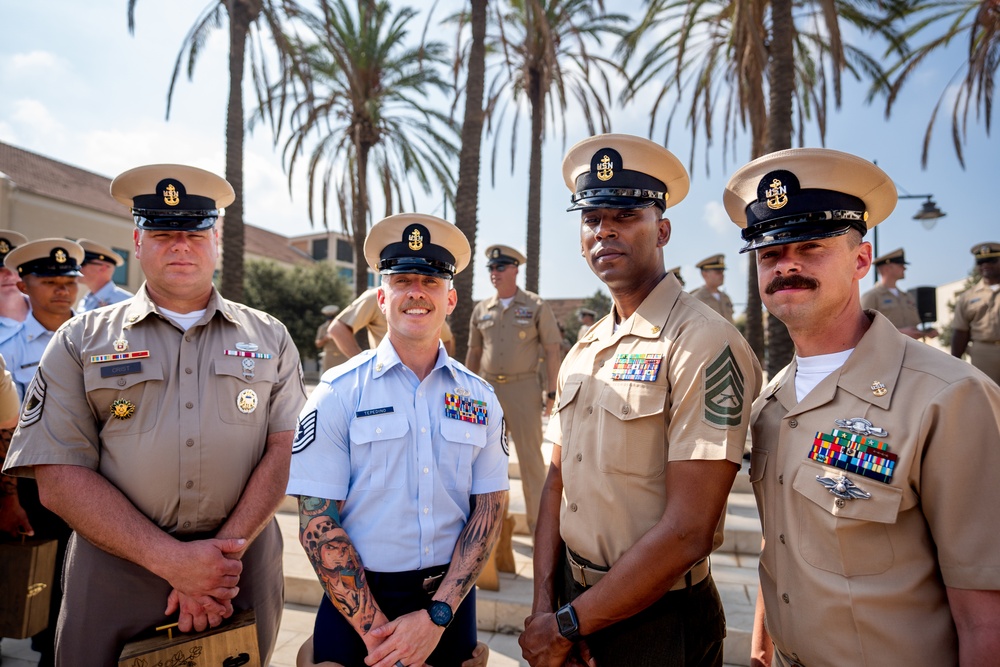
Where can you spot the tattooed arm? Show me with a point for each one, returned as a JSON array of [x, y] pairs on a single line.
[[13, 519], [411, 638], [338, 566]]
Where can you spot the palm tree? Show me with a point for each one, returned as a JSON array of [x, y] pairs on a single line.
[[725, 50], [547, 55], [366, 101], [257, 22], [981, 22], [467, 193]]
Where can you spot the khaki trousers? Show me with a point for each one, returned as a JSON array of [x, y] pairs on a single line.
[[522, 409]]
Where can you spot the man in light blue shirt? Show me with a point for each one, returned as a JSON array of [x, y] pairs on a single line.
[[14, 306], [98, 269], [400, 465]]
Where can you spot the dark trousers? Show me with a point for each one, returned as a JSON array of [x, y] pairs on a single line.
[[397, 593], [684, 628]]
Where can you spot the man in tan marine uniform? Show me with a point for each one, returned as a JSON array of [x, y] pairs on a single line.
[[898, 306], [874, 457], [506, 335], [647, 438], [330, 353], [977, 314], [713, 272], [364, 313], [160, 428]]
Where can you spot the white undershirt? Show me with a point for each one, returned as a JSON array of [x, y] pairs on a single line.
[[894, 290], [995, 287], [506, 302], [184, 320], [810, 371]]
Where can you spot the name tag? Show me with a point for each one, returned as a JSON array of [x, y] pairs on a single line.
[[375, 411], [121, 369]]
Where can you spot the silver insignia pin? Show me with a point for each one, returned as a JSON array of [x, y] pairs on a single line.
[[843, 488], [246, 347], [861, 427]]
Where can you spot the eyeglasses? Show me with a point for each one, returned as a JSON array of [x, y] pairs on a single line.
[[499, 268]]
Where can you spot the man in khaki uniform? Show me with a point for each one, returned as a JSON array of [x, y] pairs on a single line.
[[330, 353], [677, 274], [977, 314], [508, 333], [364, 313], [160, 429], [898, 306], [713, 272], [587, 317], [874, 458], [648, 436]]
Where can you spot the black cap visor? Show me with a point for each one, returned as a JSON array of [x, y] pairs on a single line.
[[616, 198], [419, 265], [175, 221], [821, 225]]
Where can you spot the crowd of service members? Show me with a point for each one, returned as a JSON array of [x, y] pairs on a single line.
[[158, 432]]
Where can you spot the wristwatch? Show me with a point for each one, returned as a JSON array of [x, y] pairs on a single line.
[[551, 395], [440, 613], [569, 627]]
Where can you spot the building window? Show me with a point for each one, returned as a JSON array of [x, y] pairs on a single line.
[[120, 276], [345, 251], [321, 248], [347, 275], [371, 280]]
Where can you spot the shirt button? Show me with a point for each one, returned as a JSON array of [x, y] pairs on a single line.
[[784, 597], [467, 435], [189, 484], [426, 470], [781, 538], [781, 479], [427, 510], [625, 409], [187, 524], [840, 502], [423, 430], [122, 382], [572, 507], [378, 430], [793, 423], [189, 405], [188, 371], [189, 443], [187, 338], [579, 457], [590, 411], [427, 550]]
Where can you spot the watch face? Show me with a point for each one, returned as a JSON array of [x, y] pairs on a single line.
[[440, 613]]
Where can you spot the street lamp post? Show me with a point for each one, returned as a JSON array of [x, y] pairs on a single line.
[[927, 215]]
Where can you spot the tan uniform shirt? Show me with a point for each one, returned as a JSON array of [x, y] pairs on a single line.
[[900, 309], [332, 356], [511, 337], [364, 313], [9, 401], [618, 427], [179, 431], [862, 581], [978, 312], [723, 305]]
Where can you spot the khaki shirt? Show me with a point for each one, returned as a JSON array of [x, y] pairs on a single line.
[[364, 313], [617, 435], [900, 309], [723, 305], [10, 403], [862, 581], [332, 356], [189, 432], [512, 338], [978, 312]]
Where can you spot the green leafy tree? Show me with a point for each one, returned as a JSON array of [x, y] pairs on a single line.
[[546, 52], [599, 302], [938, 23], [752, 66], [295, 296], [366, 103], [256, 23]]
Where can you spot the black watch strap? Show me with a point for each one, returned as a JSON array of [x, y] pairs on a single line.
[[551, 395], [441, 613], [569, 627]]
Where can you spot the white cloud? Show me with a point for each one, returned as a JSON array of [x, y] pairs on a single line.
[[715, 216], [33, 64]]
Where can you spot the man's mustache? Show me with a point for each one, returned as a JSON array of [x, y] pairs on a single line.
[[791, 282]]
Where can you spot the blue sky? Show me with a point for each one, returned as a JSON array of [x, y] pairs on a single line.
[[78, 88]]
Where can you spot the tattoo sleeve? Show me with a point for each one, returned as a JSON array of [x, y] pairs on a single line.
[[5, 435], [474, 546], [336, 561]]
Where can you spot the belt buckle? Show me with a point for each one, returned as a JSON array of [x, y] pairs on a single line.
[[431, 584], [501, 379]]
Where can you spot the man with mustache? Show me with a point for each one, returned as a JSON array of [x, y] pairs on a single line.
[[647, 437], [400, 466], [874, 458]]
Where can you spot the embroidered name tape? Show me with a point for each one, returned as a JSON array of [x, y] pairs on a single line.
[[121, 369], [374, 411]]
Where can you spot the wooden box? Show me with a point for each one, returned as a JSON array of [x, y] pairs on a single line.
[[27, 570], [232, 644]]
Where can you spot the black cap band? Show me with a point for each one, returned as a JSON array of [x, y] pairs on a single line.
[[416, 254]]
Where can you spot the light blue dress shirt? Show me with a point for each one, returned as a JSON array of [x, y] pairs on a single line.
[[376, 437], [23, 351], [105, 296]]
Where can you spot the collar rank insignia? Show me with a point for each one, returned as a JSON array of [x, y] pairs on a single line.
[[854, 452], [639, 367], [879, 389], [724, 390], [466, 409], [843, 488]]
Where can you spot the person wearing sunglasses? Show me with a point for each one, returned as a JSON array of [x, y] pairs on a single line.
[[977, 314]]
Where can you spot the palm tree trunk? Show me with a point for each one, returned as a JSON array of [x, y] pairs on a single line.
[[534, 250], [780, 348], [359, 220], [467, 191], [232, 237]]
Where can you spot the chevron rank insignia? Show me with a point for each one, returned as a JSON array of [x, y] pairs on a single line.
[[34, 400], [305, 432], [724, 391]]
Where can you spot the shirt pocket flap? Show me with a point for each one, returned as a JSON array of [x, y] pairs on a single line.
[[457, 431], [636, 402], [387, 426], [882, 507], [261, 370], [104, 376], [569, 392]]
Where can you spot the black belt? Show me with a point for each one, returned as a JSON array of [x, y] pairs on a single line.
[[429, 579], [587, 574]]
